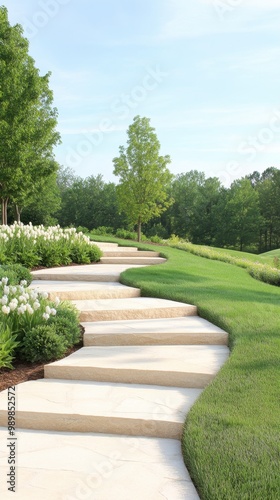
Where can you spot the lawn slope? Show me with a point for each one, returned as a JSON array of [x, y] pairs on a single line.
[[231, 441]]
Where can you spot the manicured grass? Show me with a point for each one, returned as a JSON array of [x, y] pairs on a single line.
[[231, 441], [272, 253], [263, 258]]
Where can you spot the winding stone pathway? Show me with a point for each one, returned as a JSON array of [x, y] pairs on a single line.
[[106, 422]]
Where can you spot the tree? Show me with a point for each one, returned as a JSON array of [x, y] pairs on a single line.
[[144, 176], [87, 202], [269, 194], [27, 119], [44, 204], [243, 213]]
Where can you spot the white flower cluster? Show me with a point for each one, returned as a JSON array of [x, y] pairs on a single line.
[[21, 300], [53, 233]]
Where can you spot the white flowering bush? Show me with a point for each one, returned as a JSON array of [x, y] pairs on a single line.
[[53, 246], [24, 310]]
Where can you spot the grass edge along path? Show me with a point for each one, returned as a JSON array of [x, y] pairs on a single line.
[[231, 440]]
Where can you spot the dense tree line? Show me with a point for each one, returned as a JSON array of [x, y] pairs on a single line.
[[245, 216]]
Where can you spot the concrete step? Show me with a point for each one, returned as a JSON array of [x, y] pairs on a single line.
[[128, 253], [91, 272], [175, 331], [105, 245], [134, 410], [84, 290], [171, 366], [121, 250], [73, 466], [148, 261], [134, 308]]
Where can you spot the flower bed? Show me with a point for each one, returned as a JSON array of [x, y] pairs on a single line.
[[33, 328], [39, 246]]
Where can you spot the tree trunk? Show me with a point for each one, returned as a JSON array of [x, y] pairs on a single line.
[[5, 211], [265, 240], [18, 212], [270, 237], [139, 229]]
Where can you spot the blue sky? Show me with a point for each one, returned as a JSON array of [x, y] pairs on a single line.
[[206, 72]]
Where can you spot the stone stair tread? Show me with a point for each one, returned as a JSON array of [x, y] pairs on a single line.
[[90, 272], [131, 308], [180, 366], [71, 290], [69, 466], [128, 253], [123, 249], [102, 245], [133, 303], [174, 331], [140, 410], [133, 260]]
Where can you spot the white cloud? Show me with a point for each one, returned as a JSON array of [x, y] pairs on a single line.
[[247, 61], [194, 18]]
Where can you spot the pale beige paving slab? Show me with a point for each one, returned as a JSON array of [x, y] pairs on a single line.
[[74, 406], [149, 261], [83, 290], [133, 308], [120, 250], [103, 245], [67, 466], [173, 331], [123, 252], [91, 272], [177, 366]]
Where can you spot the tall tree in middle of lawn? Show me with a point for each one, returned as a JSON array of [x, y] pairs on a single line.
[[144, 176]]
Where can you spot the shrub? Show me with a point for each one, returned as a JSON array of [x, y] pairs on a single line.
[[265, 273], [126, 235], [276, 262], [9, 275], [66, 322], [67, 310], [94, 253], [42, 344], [65, 328], [22, 308], [103, 230], [32, 246], [156, 239], [8, 345], [82, 229], [21, 272], [157, 230], [56, 253]]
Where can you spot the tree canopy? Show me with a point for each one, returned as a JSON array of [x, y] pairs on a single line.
[[27, 119], [144, 177]]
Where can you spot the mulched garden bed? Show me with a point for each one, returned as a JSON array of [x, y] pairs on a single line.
[[26, 371]]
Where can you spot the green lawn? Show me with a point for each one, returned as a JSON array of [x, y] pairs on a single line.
[[263, 258], [231, 440], [271, 254]]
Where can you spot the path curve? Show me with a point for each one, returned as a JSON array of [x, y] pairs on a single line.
[[106, 422]]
